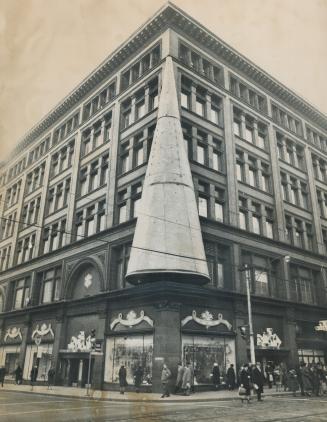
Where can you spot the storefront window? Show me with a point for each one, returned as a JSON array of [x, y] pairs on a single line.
[[40, 357], [11, 362], [311, 356], [202, 352], [130, 351]]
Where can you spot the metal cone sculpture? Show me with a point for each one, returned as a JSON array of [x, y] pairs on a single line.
[[167, 242]]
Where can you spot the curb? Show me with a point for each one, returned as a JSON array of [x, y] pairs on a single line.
[[143, 400]]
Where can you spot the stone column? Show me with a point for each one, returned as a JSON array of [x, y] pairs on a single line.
[[290, 337], [166, 341]]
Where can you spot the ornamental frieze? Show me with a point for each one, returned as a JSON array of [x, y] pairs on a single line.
[[206, 319], [13, 333], [43, 330], [131, 320]]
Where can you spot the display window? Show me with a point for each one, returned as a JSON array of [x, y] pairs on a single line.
[[41, 357], [312, 356], [202, 352], [132, 351], [9, 358]]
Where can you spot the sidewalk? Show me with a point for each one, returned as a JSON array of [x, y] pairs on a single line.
[[80, 393]]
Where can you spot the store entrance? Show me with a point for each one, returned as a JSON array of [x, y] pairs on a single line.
[[74, 370]]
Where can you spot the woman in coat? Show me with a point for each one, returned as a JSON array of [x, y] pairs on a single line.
[[179, 378], [138, 378], [122, 379], [245, 382], [230, 376], [258, 380], [216, 375]]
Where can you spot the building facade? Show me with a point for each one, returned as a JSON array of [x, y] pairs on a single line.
[[233, 167]]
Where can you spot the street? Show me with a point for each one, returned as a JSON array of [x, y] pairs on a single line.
[[19, 407]]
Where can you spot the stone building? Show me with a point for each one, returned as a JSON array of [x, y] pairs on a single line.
[[233, 169]]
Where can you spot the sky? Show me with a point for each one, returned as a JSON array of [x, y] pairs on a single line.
[[48, 46]]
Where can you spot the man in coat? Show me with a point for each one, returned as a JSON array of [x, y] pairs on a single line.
[[33, 375], [216, 375], [187, 380], [245, 382], [258, 380], [179, 378], [231, 377], [122, 374], [2, 375], [165, 377], [18, 375]]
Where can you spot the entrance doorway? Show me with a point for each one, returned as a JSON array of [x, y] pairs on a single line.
[[74, 370]]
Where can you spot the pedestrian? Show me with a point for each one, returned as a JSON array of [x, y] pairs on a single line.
[[51, 377], [284, 375], [270, 376], [138, 378], [2, 375], [245, 383], [299, 378], [33, 375], [216, 375], [18, 375], [315, 380], [278, 378], [165, 377], [179, 378], [258, 380], [230, 376], [187, 380], [293, 383], [122, 374], [306, 379]]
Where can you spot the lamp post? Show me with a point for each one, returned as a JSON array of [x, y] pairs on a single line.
[[246, 269], [92, 341]]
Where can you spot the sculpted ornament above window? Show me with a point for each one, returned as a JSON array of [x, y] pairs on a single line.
[[207, 320], [131, 319], [88, 279], [43, 330], [13, 333]]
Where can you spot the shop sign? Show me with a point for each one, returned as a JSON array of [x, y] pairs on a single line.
[[131, 320], [322, 326], [207, 320], [80, 343], [13, 333], [268, 339], [43, 330]]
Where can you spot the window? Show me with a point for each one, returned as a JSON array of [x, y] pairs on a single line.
[[50, 283], [242, 203], [120, 262], [269, 223], [140, 105], [124, 157], [200, 102], [200, 152], [265, 177], [249, 132], [90, 221], [218, 259], [83, 186], [286, 120], [262, 136], [25, 249], [62, 160], [148, 61], [299, 238], [294, 192], [99, 101], [217, 155], [240, 166], [65, 129], [261, 282], [253, 172], [324, 239], [186, 93], [54, 236], [237, 124], [219, 204], [5, 258], [247, 94], [21, 293], [303, 284], [12, 195], [126, 114], [256, 218], [203, 200], [122, 206], [7, 226]]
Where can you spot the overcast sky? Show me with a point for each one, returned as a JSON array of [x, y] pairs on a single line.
[[48, 46]]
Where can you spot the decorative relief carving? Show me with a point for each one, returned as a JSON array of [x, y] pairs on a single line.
[[43, 330], [131, 319], [268, 339], [207, 320], [13, 333], [80, 343], [88, 280], [322, 326]]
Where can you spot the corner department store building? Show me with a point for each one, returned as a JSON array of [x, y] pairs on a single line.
[[237, 174]]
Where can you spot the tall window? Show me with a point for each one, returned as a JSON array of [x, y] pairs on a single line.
[[50, 282], [21, 293], [218, 259], [303, 284], [203, 200]]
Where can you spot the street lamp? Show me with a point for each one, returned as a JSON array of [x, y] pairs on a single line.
[[246, 269], [92, 340]]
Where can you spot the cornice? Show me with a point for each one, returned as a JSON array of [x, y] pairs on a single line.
[[172, 16]]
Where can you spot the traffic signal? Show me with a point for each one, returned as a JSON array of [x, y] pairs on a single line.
[[93, 333], [243, 331]]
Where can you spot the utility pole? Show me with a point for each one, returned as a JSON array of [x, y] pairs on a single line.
[[248, 294]]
